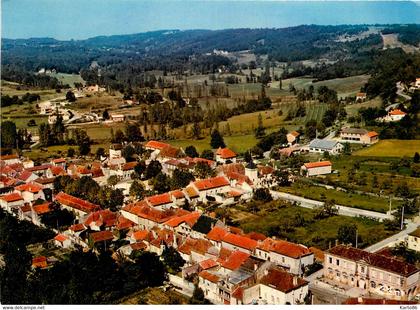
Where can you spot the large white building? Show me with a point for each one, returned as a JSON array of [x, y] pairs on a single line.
[[321, 146], [372, 273]]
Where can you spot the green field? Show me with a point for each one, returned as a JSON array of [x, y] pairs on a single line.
[[238, 144], [299, 225], [354, 200], [66, 78], [391, 148]]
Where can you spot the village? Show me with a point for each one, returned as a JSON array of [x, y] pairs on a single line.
[[229, 265]]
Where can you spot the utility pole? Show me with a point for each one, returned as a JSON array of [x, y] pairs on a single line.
[[402, 218], [390, 203]]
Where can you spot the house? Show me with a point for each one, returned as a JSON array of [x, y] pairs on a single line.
[[147, 217], [394, 115], [101, 220], [358, 135], [413, 240], [204, 225], [225, 155], [276, 287], [194, 250], [117, 117], [216, 234], [115, 151], [208, 282], [153, 145], [360, 97], [294, 257], [292, 137], [235, 242], [10, 159], [211, 187], [45, 183], [371, 273], [30, 192], [11, 202], [183, 224], [128, 169], [59, 162], [39, 262], [76, 205], [100, 238], [316, 168], [161, 201], [330, 146], [62, 241], [28, 163]]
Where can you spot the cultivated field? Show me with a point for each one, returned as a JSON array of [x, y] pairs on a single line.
[[391, 148]]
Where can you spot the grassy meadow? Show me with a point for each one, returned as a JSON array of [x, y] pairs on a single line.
[[391, 148]]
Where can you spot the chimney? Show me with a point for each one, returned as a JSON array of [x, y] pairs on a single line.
[[295, 280], [336, 242], [266, 272], [255, 266], [359, 299]]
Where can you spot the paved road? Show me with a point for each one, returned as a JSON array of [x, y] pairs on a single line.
[[400, 236], [342, 210], [400, 91]]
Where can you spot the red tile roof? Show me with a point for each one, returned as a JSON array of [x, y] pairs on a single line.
[[58, 160], [256, 236], [77, 227], [39, 262], [158, 200], [44, 181], [101, 217], [295, 133], [380, 261], [40, 167], [397, 112], [190, 219], [124, 223], [170, 152], [195, 245], [24, 175], [217, 233], [225, 153], [282, 280], [372, 134], [7, 157], [177, 194], [138, 246], [29, 187], [238, 293], [129, 166], [240, 241], [265, 169], [207, 264], [211, 183], [11, 197], [57, 170], [235, 260], [143, 210], [141, 235], [240, 178], [156, 145], [42, 208], [76, 203], [317, 164], [209, 276], [284, 247], [101, 236], [61, 238]]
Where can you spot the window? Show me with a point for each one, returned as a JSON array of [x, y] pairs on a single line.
[[282, 259], [330, 259], [373, 284], [338, 262], [362, 269]]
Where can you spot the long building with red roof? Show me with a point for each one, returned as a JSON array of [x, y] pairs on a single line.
[[79, 206]]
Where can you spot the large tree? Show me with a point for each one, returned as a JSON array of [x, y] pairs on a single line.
[[216, 140], [8, 134]]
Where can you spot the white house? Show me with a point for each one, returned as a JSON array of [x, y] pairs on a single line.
[[321, 146], [316, 168], [224, 155], [294, 257]]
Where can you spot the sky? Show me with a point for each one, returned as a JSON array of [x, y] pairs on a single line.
[[81, 19]]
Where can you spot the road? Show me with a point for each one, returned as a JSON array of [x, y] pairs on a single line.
[[400, 91], [342, 210], [400, 236]]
